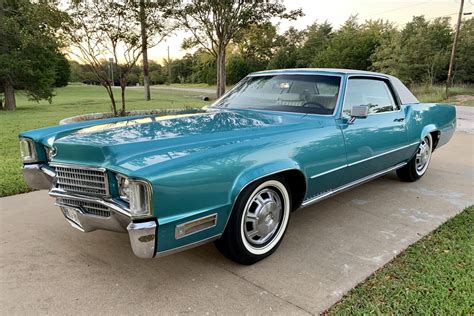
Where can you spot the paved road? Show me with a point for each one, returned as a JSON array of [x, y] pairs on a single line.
[[465, 119], [48, 267]]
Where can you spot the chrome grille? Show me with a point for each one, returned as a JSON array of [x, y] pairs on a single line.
[[91, 208], [88, 181]]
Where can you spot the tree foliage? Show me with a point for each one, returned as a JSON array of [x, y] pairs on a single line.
[[464, 66], [352, 45], [215, 23], [316, 40], [100, 29], [416, 53], [62, 71], [424, 49], [29, 50]]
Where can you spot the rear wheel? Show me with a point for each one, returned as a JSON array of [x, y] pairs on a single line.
[[258, 222], [418, 165]]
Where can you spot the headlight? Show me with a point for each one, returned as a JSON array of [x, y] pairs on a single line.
[[123, 187], [50, 152], [28, 150], [137, 193]]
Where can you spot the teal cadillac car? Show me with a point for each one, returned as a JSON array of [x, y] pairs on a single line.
[[280, 140]]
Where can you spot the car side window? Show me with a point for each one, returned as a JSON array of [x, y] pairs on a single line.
[[371, 92]]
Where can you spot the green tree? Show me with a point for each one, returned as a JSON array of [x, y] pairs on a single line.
[[352, 45], [181, 69], [29, 49], [99, 29], [287, 54], [215, 23], [418, 53], [464, 66], [387, 56], [204, 67], [316, 39], [237, 68], [63, 71], [155, 25], [425, 49], [258, 42]]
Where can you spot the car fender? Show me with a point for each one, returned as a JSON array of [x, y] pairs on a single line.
[[260, 171], [428, 129]]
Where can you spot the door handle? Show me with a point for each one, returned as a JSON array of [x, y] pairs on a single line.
[[399, 119]]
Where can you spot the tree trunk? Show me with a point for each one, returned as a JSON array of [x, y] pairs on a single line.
[[146, 79], [221, 72], [112, 98], [9, 91], [123, 85]]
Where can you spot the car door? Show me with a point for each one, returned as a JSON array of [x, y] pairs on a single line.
[[377, 142]]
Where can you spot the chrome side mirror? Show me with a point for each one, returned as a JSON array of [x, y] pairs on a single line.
[[360, 111]]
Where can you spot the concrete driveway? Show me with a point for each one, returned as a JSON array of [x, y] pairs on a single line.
[[48, 267]]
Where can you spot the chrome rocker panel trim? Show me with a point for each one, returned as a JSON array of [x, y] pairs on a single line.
[[363, 160], [350, 185], [186, 247]]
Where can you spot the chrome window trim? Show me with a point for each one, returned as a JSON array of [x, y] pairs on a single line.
[[349, 185], [372, 77], [334, 112], [363, 160]]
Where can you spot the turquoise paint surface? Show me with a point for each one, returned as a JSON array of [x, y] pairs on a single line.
[[198, 163]]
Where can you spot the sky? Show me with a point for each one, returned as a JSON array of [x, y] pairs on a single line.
[[336, 12]]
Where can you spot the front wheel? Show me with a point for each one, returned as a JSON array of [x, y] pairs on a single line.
[[258, 221], [418, 165]]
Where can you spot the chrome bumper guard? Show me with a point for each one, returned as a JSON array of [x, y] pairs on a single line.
[[76, 210], [38, 176]]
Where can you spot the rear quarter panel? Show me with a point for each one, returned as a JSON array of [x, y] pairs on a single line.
[[424, 118]]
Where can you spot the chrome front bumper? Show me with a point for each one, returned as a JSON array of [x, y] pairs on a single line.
[[87, 213], [38, 176], [142, 234]]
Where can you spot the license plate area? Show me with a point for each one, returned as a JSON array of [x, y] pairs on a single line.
[[71, 213]]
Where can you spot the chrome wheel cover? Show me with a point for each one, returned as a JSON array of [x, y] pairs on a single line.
[[265, 217], [423, 156], [262, 216]]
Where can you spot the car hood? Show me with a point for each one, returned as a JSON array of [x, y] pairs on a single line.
[[128, 145]]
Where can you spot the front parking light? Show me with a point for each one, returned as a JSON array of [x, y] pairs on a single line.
[[28, 150], [140, 198]]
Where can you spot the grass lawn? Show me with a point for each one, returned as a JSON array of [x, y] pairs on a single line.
[[72, 100], [434, 276], [460, 94]]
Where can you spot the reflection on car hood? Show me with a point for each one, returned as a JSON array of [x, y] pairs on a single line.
[[135, 143], [165, 127]]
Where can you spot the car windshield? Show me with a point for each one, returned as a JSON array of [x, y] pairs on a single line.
[[315, 94]]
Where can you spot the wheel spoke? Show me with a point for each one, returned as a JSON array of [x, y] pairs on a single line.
[[252, 234], [262, 216]]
